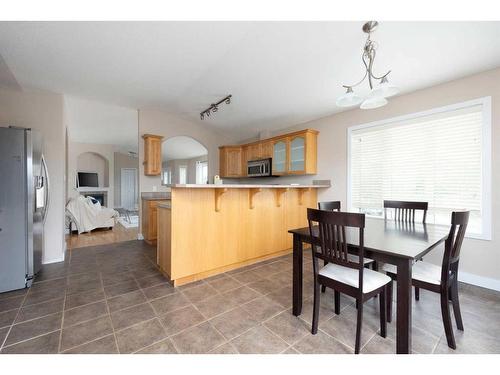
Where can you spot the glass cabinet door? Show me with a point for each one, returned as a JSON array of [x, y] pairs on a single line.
[[279, 157], [297, 154]]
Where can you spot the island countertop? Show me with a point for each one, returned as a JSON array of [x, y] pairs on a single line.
[[249, 186]]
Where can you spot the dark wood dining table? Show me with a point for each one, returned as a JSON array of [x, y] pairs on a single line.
[[387, 241]]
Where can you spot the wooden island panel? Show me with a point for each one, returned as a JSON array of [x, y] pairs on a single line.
[[196, 241]]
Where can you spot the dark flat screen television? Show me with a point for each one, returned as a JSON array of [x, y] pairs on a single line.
[[87, 179]]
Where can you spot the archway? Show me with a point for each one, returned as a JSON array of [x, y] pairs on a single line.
[[184, 161]]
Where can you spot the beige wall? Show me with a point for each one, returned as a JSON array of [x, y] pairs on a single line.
[[168, 125], [479, 258], [92, 162], [45, 112], [75, 149]]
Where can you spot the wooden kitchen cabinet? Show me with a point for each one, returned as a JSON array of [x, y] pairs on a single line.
[[152, 154], [293, 154], [266, 150], [231, 161], [280, 156], [150, 220], [254, 151]]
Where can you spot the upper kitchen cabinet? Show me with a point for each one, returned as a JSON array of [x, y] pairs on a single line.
[[152, 154], [266, 149], [280, 156], [292, 154], [295, 153], [231, 161], [303, 152], [253, 151]]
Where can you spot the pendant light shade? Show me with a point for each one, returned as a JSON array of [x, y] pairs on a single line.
[[349, 99], [385, 89], [374, 102]]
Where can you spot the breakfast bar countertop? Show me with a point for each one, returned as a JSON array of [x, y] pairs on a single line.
[[249, 186]]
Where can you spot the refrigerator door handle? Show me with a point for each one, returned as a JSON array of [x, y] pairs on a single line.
[[47, 188]]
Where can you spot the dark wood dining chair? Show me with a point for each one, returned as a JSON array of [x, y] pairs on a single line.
[[340, 274], [335, 206], [442, 280], [329, 206], [404, 211]]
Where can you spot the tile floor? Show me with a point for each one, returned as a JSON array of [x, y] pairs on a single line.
[[111, 299]]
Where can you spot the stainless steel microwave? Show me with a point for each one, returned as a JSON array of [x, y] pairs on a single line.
[[259, 168]]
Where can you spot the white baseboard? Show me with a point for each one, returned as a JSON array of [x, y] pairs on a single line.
[[481, 281], [140, 237]]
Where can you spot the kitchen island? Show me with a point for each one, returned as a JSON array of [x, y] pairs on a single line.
[[209, 229]]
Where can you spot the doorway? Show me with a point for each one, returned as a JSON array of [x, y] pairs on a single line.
[[129, 189]]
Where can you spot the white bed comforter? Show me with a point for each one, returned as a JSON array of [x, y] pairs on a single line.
[[90, 215]]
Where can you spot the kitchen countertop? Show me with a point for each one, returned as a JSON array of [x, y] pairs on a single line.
[[248, 186]]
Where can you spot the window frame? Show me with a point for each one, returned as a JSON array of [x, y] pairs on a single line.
[[167, 172], [486, 161]]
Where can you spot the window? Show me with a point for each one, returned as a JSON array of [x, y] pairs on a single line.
[[201, 172], [167, 176], [182, 174], [442, 156]]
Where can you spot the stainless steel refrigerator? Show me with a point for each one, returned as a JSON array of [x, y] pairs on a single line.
[[24, 199]]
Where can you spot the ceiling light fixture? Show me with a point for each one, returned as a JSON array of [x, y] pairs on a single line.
[[214, 107], [377, 96]]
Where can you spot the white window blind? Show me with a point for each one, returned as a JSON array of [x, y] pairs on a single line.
[[435, 158]]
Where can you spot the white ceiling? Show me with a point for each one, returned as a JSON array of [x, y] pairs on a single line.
[[94, 122], [279, 73], [182, 147]]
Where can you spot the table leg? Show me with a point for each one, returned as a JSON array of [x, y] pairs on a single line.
[[403, 333], [297, 275]]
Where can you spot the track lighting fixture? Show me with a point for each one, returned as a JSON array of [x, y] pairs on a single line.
[[214, 107]]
